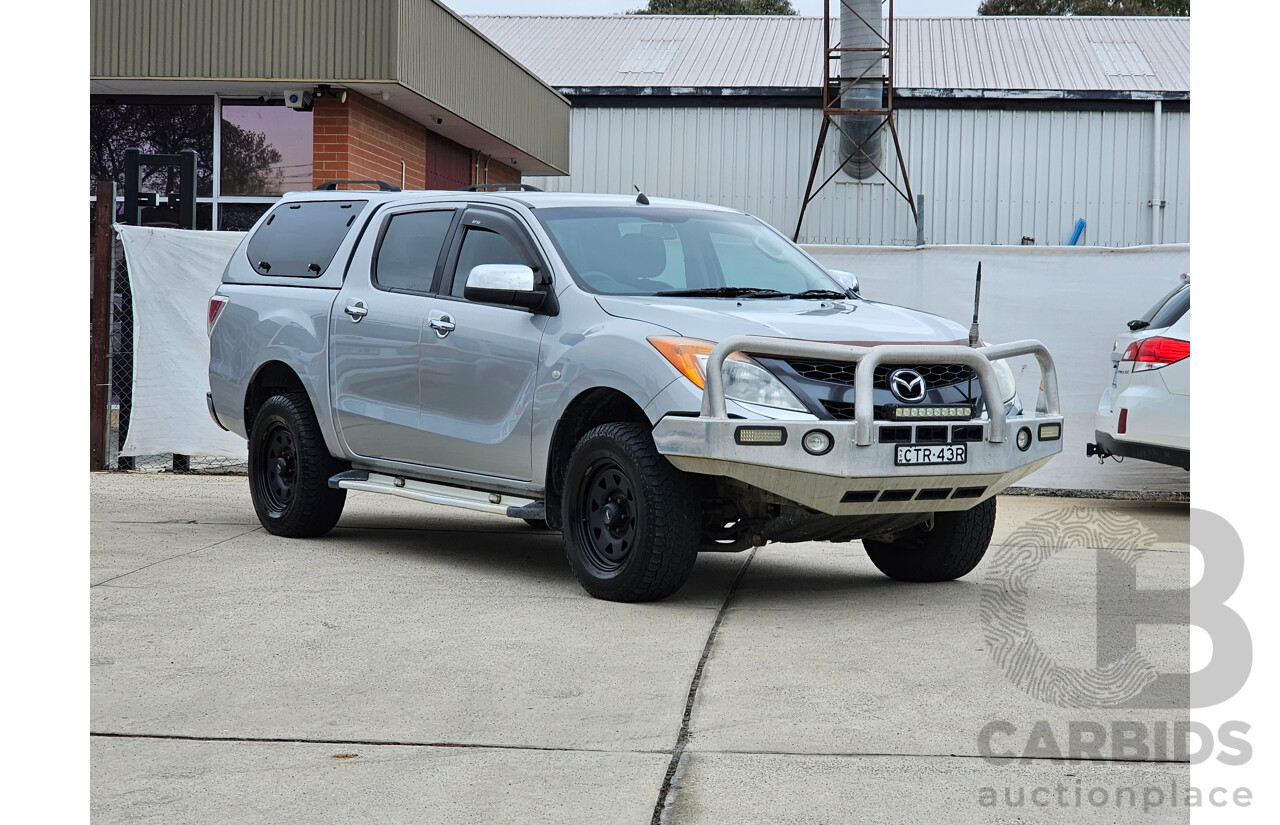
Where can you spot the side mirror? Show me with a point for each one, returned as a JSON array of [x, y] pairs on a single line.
[[846, 279], [512, 284]]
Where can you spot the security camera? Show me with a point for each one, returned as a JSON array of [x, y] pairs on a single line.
[[299, 100]]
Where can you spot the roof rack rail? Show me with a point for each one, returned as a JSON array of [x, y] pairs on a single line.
[[382, 185], [500, 187]]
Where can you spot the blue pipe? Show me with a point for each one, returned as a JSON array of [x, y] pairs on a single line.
[[1075, 236]]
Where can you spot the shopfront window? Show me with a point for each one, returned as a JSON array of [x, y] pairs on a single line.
[[265, 150], [157, 129]]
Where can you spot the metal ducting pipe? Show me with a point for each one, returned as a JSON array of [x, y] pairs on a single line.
[[867, 93]]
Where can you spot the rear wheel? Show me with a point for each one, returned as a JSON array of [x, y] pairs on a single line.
[[631, 519], [290, 468], [950, 549]]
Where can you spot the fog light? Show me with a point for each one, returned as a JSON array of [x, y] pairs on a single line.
[[1024, 439], [817, 442], [1050, 432], [760, 435]]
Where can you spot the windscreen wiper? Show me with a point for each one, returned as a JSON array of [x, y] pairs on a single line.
[[724, 292], [819, 293]]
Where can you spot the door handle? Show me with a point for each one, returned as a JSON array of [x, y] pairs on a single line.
[[443, 324], [356, 310]]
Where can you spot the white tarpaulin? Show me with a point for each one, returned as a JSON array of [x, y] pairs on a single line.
[[172, 274]]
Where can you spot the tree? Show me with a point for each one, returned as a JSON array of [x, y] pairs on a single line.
[[250, 165], [717, 7], [1105, 8]]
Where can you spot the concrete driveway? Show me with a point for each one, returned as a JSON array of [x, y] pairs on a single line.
[[429, 665]]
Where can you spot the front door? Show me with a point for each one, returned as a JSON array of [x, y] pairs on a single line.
[[480, 361]]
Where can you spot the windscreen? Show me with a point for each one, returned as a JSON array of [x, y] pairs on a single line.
[[646, 250]]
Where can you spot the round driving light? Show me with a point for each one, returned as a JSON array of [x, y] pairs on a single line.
[[1024, 439], [817, 442]]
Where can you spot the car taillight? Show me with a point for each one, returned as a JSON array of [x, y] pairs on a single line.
[[216, 304], [1157, 352]]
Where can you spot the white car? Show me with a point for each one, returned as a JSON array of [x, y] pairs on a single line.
[[1146, 412]]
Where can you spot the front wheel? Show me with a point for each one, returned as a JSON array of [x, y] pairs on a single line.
[[289, 470], [631, 519], [950, 549]]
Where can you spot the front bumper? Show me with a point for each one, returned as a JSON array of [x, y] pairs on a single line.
[[858, 476]]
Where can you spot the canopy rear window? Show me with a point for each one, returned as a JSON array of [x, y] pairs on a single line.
[[298, 240]]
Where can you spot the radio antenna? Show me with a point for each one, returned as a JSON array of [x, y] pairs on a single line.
[[641, 198], [977, 297]]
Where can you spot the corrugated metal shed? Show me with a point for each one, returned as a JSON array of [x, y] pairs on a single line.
[[988, 176], [934, 55]]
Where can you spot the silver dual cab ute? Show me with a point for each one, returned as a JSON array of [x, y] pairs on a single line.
[[654, 378]]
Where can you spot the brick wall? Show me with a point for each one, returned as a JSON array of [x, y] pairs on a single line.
[[498, 172], [363, 139]]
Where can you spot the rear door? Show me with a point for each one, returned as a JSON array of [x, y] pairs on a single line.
[[480, 361], [376, 328]]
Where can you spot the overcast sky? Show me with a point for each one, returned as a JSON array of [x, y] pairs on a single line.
[[903, 8]]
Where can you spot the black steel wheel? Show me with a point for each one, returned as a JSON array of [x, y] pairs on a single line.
[[631, 519], [608, 507], [278, 459], [951, 548], [290, 468]]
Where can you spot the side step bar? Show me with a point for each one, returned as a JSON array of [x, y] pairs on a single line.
[[478, 500]]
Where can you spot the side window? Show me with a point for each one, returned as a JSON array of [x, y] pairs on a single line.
[[410, 248], [299, 240], [482, 246], [1173, 310]]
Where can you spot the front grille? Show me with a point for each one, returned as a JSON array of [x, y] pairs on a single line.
[[844, 372], [935, 375], [839, 410], [832, 372]]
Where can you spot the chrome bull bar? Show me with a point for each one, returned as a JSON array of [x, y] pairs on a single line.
[[868, 358]]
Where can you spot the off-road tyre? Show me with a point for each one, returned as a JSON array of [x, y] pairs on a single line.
[[631, 520], [954, 546], [290, 468]]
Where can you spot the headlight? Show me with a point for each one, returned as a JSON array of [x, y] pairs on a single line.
[[1004, 377], [744, 379]]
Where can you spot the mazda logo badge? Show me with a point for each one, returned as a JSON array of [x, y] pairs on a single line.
[[907, 385]]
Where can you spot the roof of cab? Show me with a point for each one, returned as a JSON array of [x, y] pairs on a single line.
[[532, 200]]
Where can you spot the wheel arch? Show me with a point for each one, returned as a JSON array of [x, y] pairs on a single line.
[[271, 378], [590, 408]]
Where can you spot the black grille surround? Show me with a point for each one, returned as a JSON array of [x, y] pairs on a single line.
[[826, 387]]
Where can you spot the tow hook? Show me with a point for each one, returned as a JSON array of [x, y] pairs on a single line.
[[1100, 452]]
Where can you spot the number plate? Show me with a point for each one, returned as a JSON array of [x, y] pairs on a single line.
[[909, 454]]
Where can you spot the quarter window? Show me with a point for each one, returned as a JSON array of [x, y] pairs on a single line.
[[410, 249]]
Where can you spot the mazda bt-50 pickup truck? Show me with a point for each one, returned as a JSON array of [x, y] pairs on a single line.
[[654, 378]]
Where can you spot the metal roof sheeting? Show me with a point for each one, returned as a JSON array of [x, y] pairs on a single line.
[[727, 51], [1044, 53], [1015, 54]]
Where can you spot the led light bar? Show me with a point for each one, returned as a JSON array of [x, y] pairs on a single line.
[[933, 411], [760, 435], [1050, 432]]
